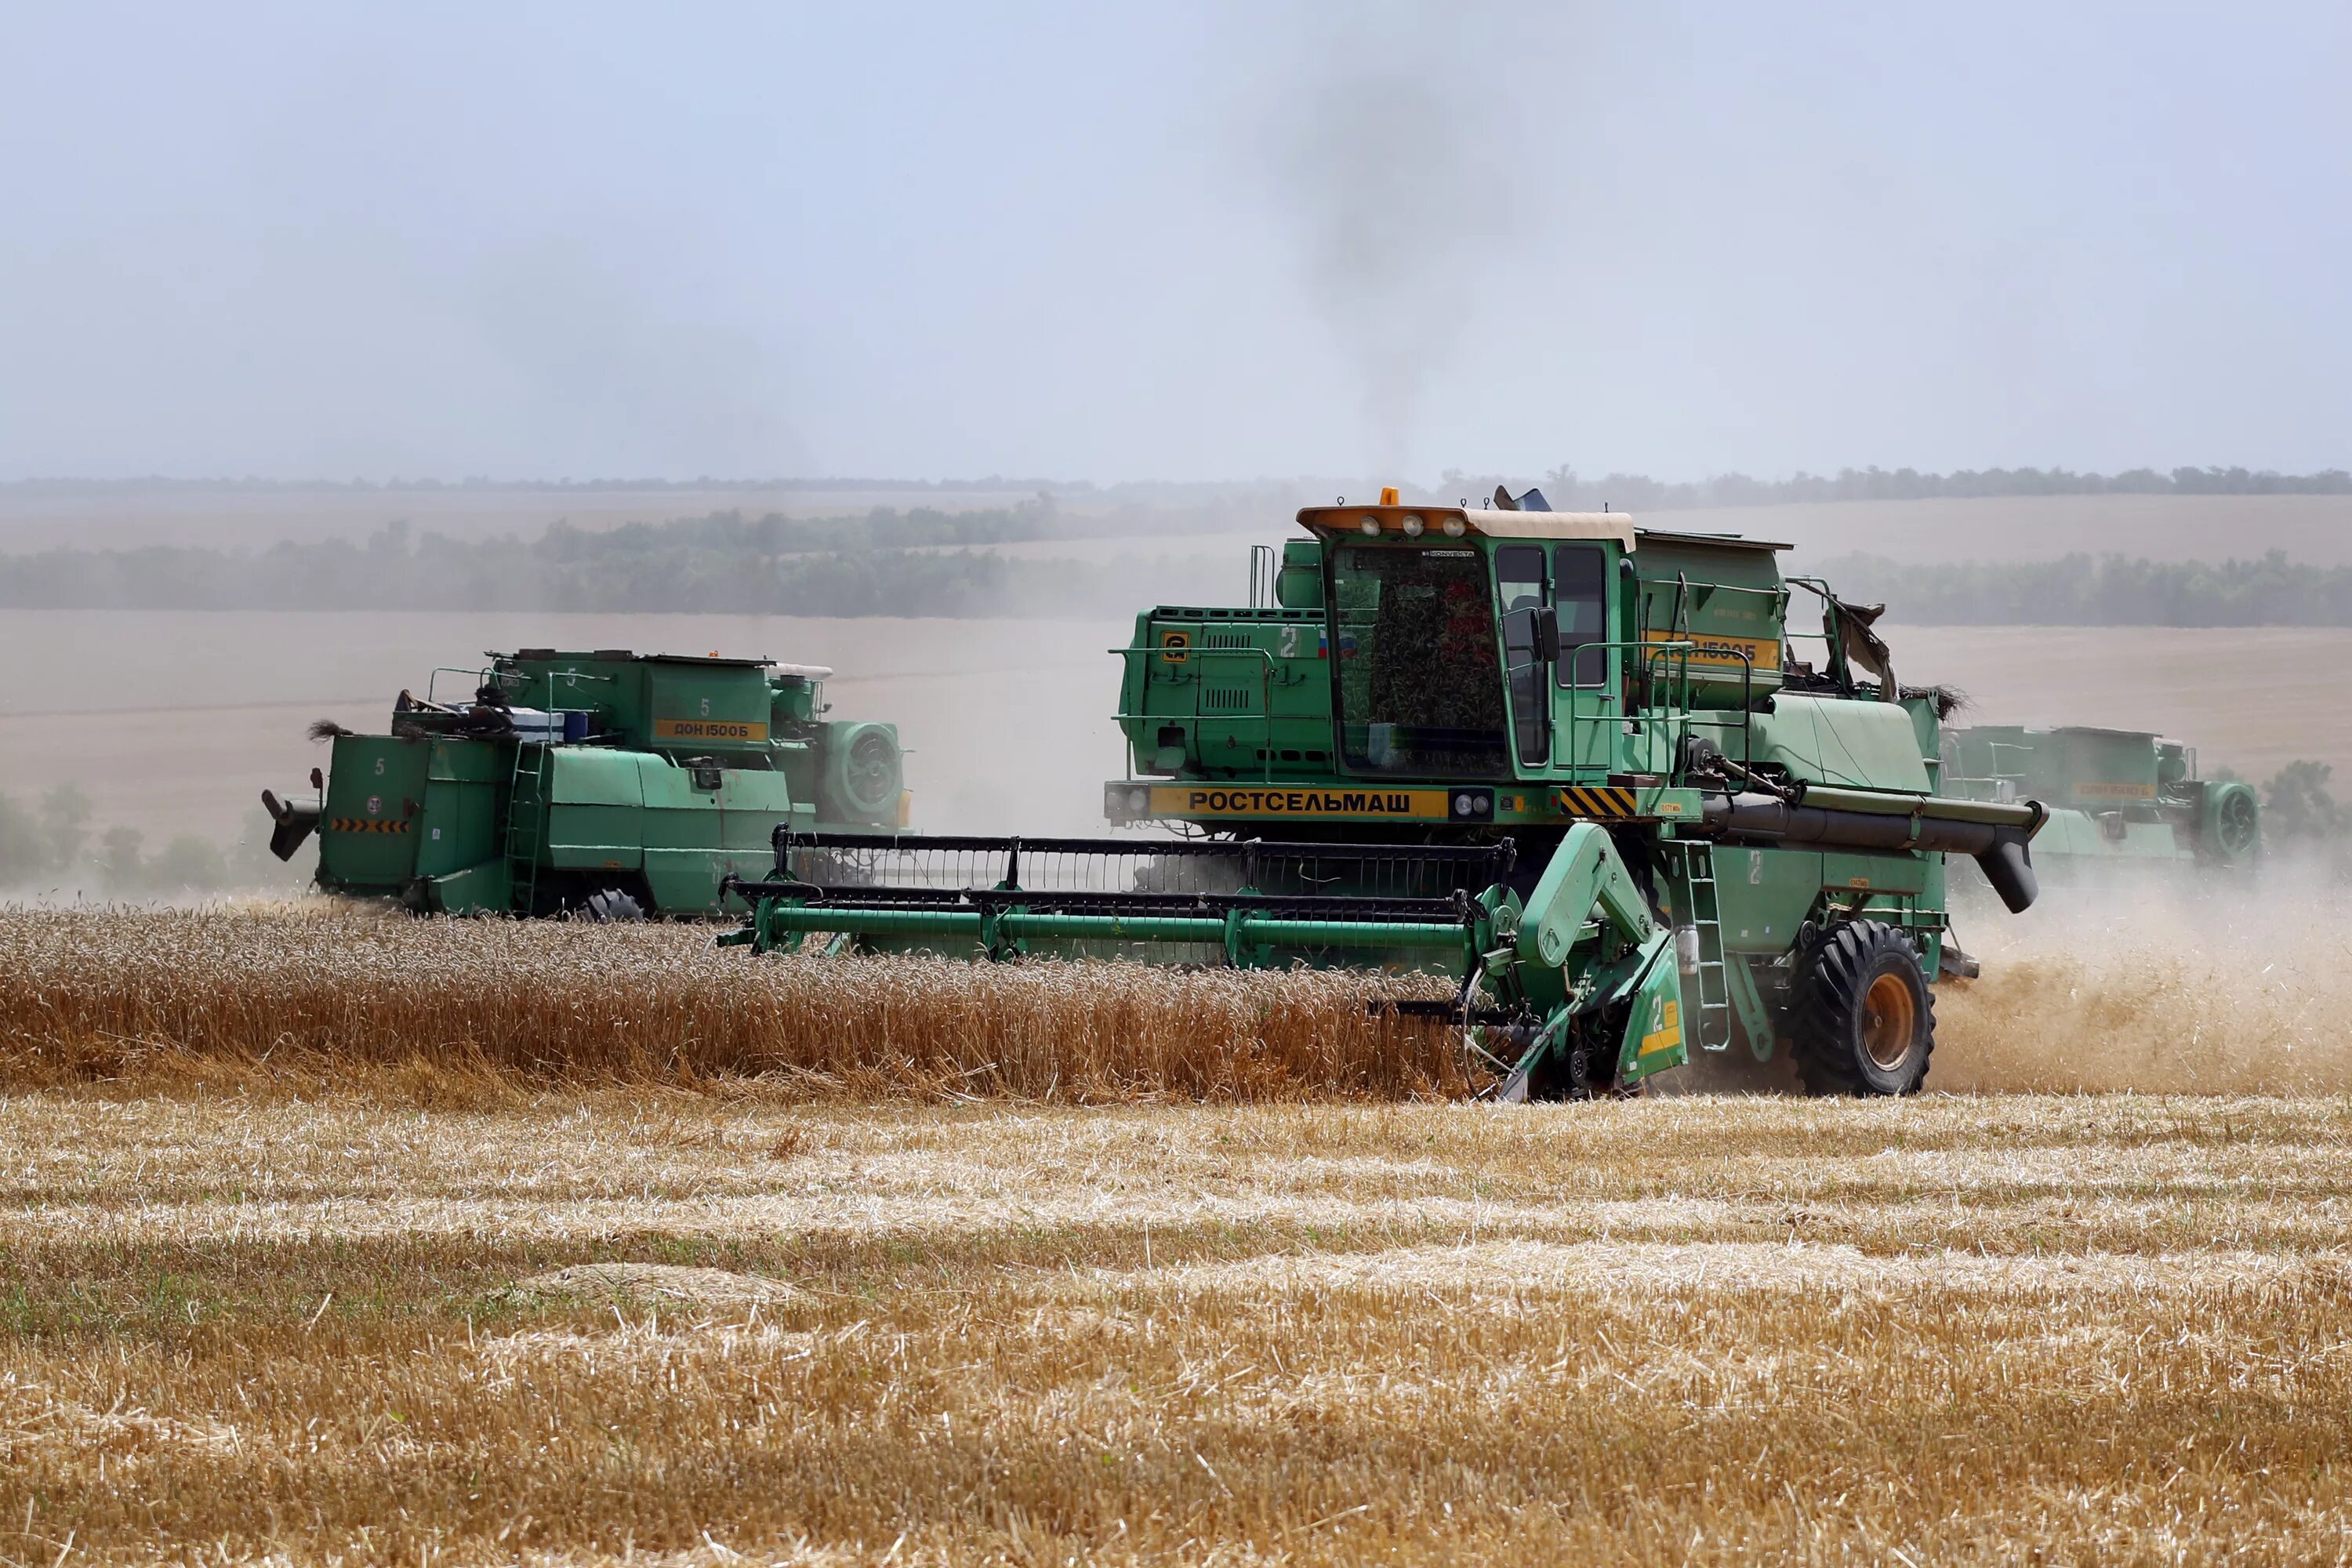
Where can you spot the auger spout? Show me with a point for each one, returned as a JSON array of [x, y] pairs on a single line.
[[1995, 835]]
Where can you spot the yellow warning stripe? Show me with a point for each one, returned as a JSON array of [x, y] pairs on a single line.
[[365, 825], [1598, 800]]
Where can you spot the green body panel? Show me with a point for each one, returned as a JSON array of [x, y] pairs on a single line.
[[1229, 694], [633, 812], [595, 808], [1765, 894], [1653, 1038], [459, 827], [695, 836], [1300, 585], [1726, 596], [1860, 745], [485, 889], [368, 830]]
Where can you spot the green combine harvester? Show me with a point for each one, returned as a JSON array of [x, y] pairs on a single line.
[[608, 785], [1573, 765], [2122, 803]]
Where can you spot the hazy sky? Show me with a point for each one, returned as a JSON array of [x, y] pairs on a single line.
[[1108, 241]]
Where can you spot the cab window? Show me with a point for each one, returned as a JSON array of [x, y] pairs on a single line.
[[1580, 598], [1520, 590]]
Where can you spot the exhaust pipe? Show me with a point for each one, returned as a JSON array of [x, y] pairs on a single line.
[[1995, 837], [295, 823]]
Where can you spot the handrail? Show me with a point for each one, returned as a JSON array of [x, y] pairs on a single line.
[[1262, 576], [487, 673], [1264, 716], [1677, 710]]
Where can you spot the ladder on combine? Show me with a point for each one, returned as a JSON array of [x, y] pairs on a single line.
[[522, 838], [1692, 866]]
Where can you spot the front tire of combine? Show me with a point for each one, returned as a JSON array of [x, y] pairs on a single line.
[[1863, 1021]]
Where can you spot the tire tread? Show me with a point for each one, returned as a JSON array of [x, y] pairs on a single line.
[[1828, 1001]]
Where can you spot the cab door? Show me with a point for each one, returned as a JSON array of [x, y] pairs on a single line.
[[1588, 673], [1523, 599]]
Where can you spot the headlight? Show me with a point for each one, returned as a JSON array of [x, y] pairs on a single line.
[[1455, 528], [1370, 525], [1411, 526]]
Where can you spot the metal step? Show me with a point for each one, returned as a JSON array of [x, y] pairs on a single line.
[[1712, 1002]]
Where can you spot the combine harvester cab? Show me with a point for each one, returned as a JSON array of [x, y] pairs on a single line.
[[611, 784], [1712, 845], [2123, 804]]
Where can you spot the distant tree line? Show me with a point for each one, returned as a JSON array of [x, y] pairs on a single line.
[[888, 563], [933, 563], [2109, 591], [48, 845]]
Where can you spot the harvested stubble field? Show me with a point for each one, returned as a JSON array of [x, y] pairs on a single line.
[[568, 1271]]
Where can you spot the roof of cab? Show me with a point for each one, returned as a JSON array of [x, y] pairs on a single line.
[[623, 655], [1496, 524], [1489, 521]]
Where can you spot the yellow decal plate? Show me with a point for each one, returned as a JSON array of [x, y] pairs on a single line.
[[1404, 804], [1668, 1033], [740, 731], [1724, 652], [2088, 789]]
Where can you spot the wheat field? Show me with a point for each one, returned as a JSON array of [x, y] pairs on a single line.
[[333, 1237]]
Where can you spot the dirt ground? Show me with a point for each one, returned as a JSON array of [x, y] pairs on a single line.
[[677, 1329]]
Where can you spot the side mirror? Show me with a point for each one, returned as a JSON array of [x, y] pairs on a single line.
[[1547, 636]]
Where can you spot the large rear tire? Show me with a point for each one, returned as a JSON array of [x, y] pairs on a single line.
[[1863, 1021], [610, 906]]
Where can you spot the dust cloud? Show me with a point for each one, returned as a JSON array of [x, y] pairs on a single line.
[[2196, 987]]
